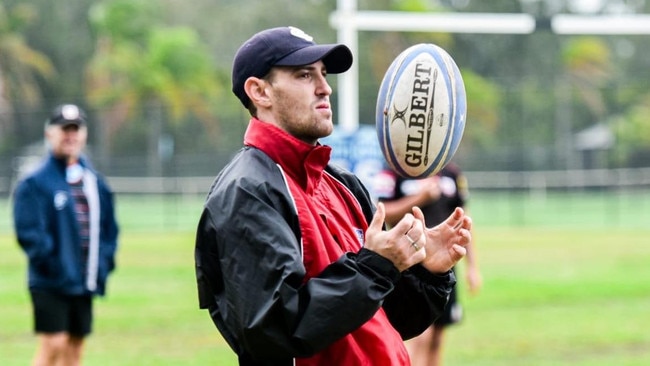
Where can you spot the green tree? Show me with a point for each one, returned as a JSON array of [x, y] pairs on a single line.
[[143, 69], [20, 67], [588, 67]]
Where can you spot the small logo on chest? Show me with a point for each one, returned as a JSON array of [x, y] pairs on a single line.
[[359, 233], [60, 199]]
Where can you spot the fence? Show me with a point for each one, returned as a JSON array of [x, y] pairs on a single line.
[[561, 179], [533, 181]]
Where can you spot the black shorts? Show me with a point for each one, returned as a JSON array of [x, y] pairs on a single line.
[[453, 312], [54, 313]]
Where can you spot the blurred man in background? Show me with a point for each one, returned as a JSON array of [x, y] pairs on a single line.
[[65, 223], [437, 196]]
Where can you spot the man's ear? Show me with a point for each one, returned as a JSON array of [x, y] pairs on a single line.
[[256, 90]]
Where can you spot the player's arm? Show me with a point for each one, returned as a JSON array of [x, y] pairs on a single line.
[[472, 271], [109, 228], [428, 192], [30, 220]]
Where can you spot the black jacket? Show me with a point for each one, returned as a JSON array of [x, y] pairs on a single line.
[[256, 293]]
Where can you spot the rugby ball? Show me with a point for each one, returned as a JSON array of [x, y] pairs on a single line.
[[421, 108]]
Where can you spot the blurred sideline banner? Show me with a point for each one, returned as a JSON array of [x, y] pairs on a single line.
[[358, 151]]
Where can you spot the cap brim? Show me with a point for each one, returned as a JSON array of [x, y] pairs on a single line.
[[65, 122], [336, 57]]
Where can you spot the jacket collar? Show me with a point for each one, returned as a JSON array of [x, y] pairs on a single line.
[[61, 163], [301, 161]]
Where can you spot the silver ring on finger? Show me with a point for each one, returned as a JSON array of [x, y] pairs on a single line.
[[414, 243]]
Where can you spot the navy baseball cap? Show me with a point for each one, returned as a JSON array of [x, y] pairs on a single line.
[[283, 46], [67, 114]]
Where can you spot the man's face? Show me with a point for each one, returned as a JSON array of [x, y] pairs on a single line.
[[300, 101], [67, 141]]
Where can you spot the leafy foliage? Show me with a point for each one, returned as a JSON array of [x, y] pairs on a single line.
[[527, 93], [21, 66], [140, 63]]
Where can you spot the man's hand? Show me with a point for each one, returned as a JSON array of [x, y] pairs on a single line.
[[404, 244], [429, 190], [445, 243]]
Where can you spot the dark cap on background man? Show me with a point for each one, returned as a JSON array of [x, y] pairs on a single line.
[[67, 114], [283, 46]]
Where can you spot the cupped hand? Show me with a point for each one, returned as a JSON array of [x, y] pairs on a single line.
[[403, 244], [446, 242]]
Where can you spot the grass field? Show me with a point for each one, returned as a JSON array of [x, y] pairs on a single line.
[[566, 282]]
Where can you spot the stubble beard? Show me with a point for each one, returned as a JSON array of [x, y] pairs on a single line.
[[307, 126]]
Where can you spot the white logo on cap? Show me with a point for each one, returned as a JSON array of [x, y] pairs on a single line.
[[70, 112], [300, 34]]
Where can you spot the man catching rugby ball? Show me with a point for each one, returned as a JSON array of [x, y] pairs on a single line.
[[292, 261]]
